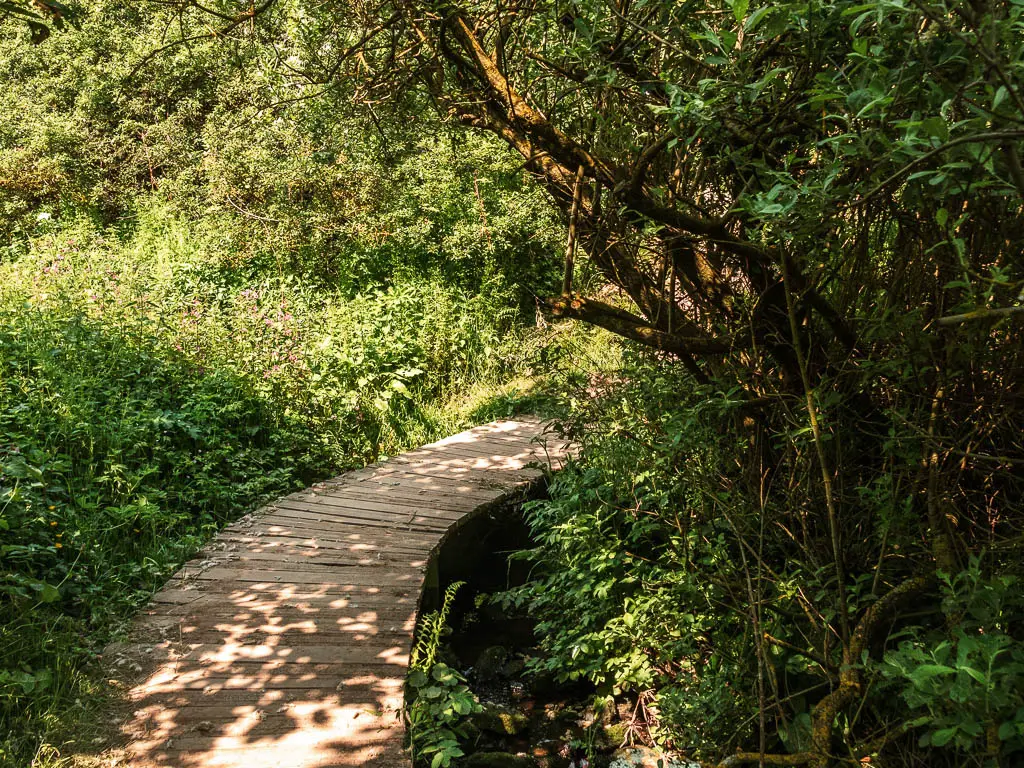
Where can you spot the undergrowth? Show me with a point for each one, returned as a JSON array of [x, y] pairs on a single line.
[[657, 541]]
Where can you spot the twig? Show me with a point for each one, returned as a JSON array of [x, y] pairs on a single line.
[[978, 314], [250, 214], [826, 476], [821, 662], [252, 13], [570, 245]]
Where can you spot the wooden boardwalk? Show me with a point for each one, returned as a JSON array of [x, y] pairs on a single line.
[[285, 642]]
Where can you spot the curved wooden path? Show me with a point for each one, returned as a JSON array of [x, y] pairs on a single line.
[[285, 642]]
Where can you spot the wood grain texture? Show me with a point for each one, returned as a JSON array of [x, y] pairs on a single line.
[[284, 643]]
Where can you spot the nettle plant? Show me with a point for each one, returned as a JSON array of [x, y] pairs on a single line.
[[439, 700]]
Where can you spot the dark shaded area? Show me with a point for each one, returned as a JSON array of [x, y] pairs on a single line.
[[524, 713]]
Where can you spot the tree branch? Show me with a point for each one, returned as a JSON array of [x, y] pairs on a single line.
[[636, 328]]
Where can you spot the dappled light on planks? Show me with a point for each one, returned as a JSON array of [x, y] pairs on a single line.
[[285, 642]]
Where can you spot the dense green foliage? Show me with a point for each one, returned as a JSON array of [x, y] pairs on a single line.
[[148, 395], [664, 571], [796, 526]]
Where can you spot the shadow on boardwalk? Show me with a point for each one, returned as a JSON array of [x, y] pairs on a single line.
[[285, 642]]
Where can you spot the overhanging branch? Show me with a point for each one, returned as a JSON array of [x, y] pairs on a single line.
[[631, 326]]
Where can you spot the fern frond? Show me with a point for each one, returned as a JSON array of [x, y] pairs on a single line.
[[424, 653]]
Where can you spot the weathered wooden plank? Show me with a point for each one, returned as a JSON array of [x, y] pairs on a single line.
[[393, 499], [342, 517], [260, 539], [314, 750], [352, 692], [495, 479], [280, 526], [328, 577], [204, 629], [238, 653], [211, 608], [173, 677], [423, 499], [396, 474], [499, 452], [276, 619], [303, 557], [423, 504]]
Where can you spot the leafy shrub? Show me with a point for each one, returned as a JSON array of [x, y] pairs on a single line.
[[632, 567], [439, 699], [674, 562], [966, 682]]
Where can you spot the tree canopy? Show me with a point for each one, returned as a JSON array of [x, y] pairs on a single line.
[[719, 148]]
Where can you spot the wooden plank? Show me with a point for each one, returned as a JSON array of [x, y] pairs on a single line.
[[358, 641], [461, 503], [495, 479], [388, 618], [314, 751], [355, 723], [343, 600], [264, 654], [498, 477], [252, 594], [267, 541], [496, 489], [203, 629], [312, 517], [423, 504], [215, 607], [182, 720], [378, 577], [230, 697], [341, 530], [476, 449], [485, 446], [302, 557], [362, 534], [343, 517], [175, 677]]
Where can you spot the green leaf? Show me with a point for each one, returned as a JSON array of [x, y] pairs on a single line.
[[979, 676], [927, 671], [1001, 94], [936, 128], [755, 18], [739, 9], [49, 594], [942, 737]]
